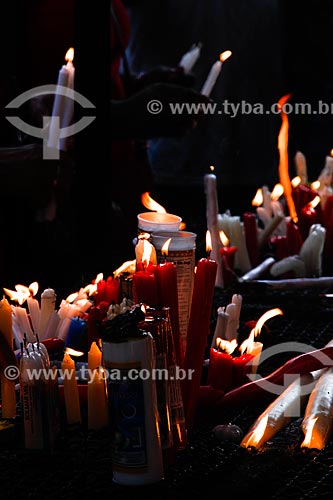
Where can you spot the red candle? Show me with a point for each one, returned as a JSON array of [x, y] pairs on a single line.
[[112, 290], [197, 333], [310, 214], [280, 245], [228, 254], [327, 211], [100, 293], [220, 370], [240, 369], [251, 237], [167, 289], [294, 238], [145, 288]]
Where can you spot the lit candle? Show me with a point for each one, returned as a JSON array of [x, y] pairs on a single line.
[[278, 414], [167, 289], [198, 331], [158, 220], [220, 368], [145, 284], [63, 105], [227, 254], [234, 229], [94, 357], [212, 211], [308, 216], [318, 417], [8, 394], [214, 73], [71, 394]]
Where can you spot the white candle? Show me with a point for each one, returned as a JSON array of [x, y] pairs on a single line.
[[34, 311], [63, 106], [189, 59], [212, 211], [48, 301], [214, 74]]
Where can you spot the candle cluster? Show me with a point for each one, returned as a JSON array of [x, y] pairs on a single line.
[[230, 363]]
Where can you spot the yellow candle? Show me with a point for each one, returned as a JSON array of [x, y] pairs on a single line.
[[94, 357], [97, 401], [71, 393], [8, 395]]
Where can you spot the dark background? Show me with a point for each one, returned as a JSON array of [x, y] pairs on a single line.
[[278, 47]]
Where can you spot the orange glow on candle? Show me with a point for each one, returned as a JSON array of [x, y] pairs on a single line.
[[225, 55]]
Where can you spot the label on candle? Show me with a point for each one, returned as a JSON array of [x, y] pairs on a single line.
[[127, 412], [185, 262], [181, 251]]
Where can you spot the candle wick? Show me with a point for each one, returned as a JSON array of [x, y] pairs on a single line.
[[37, 337], [21, 346], [208, 254]]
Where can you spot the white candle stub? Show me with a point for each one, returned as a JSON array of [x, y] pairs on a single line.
[[189, 59]]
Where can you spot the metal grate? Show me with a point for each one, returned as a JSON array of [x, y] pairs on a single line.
[[281, 470]]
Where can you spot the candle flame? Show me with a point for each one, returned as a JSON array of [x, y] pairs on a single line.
[[315, 202], [98, 278], [256, 434], [227, 346], [331, 153], [33, 287], [208, 241], [295, 182], [258, 199], [126, 267], [148, 202], [315, 185], [212, 168], [265, 317], [277, 192], [283, 163], [20, 295], [90, 289], [224, 239], [72, 297], [247, 344], [182, 226], [165, 247], [225, 55], [69, 55], [308, 435], [147, 250], [73, 352]]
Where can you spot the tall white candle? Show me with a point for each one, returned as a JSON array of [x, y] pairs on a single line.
[[62, 105], [214, 73], [212, 211]]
